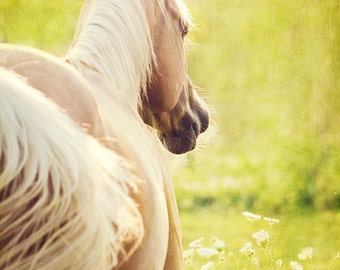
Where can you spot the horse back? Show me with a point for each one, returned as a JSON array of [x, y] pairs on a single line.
[[57, 80]]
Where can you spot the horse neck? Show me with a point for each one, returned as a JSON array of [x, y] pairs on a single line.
[[113, 39]]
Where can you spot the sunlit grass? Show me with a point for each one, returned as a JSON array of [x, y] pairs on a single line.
[[270, 69], [287, 239]]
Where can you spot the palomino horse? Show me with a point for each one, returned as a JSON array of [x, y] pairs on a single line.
[[126, 65]]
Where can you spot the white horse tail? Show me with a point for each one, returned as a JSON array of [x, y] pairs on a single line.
[[65, 200]]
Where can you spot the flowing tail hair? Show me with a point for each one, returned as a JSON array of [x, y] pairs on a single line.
[[65, 200]]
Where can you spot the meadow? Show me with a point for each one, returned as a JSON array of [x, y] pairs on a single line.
[[270, 72]]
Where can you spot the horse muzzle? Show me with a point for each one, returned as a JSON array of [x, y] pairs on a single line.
[[184, 138], [179, 128]]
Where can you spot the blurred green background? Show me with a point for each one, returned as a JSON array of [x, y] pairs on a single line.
[[270, 70]]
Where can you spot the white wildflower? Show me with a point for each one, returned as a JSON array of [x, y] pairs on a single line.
[[188, 253], [279, 263], [251, 217], [271, 221], [248, 250], [206, 252], [208, 266], [262, 238], [306, 253], [247, 246], [218, 244], [196, 243], [295, 266]]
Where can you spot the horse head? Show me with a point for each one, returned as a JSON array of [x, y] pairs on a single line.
[[172, 105]]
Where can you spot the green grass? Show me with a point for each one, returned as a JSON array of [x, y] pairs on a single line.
[[271, 74], [270, 70], [289, 237]]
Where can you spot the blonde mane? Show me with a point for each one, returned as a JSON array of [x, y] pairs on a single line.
[[114, 39], [64, 198]]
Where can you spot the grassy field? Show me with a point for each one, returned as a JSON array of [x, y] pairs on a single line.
[[271, 74], [287, 239]]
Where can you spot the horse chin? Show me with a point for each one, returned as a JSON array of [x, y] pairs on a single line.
[[178, 144]]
